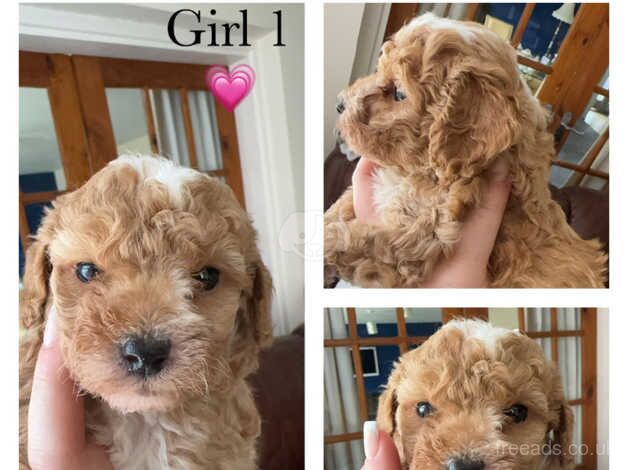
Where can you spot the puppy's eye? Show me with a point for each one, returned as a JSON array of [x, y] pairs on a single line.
[[423, 409], [86, 271], [208, 276], [518, 413], [399, 95]]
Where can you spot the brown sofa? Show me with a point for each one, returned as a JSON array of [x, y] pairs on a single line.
[[279, 391], [586, 209]]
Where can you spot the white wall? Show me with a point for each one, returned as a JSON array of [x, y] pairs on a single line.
[[293, 69], [372, 29], [342, 28], [504, 317]]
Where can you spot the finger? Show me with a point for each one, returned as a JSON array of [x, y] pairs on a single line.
[[380, 450], [498, 186], [362, 181], [56, 430], [479, 231]]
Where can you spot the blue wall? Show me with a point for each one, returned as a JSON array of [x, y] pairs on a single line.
[[387, 355], [540, 28]]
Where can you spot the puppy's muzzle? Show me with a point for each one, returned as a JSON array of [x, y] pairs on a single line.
[[464, 463], [144, 356]]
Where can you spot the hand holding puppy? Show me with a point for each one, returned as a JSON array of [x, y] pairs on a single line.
[[380, 450], [468, 266], [56, 425]]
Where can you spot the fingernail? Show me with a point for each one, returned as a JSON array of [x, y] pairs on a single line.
[[50, 333], [371, 439]]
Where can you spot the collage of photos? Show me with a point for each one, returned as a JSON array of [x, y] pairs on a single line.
[[170, 227]]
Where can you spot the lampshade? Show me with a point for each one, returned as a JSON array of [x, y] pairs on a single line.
[[565, 13]]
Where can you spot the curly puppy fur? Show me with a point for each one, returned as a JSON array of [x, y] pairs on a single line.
[[470, 373], [148, 225], [464, 107]]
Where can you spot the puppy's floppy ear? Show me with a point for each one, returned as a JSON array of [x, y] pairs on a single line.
[[254, 329], [475, 116], [35, 288], [35, 281], [560, 426], [564, 433], [387, 406], [259, 310]]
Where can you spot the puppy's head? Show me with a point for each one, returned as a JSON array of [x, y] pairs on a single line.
[[477, 397], [160, 290], [445, 101]]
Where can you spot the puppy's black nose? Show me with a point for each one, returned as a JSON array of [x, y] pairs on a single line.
[[464, 463], [144, 355], [340, 106]]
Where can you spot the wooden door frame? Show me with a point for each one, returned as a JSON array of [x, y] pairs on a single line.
[[567, 88], [54, 73], [353, 341], [95, 111], [143, 75], [76, 87], [589, 386]]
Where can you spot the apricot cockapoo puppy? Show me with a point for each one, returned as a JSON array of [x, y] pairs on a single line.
[[445, 103], [477, 397], [163, 304]]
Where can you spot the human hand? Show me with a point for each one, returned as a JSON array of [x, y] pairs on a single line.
[[56, 423], [468, 265], [380, 450]]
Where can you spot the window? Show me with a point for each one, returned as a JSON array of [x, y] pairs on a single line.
[[544, 35], [361, 346], [370, 365]]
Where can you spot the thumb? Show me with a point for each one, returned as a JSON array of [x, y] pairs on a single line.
[[480, 229], [380, 450], [56, 431], [498, 188], [362, 182]]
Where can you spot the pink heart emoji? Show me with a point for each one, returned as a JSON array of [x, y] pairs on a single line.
[[230, 88]]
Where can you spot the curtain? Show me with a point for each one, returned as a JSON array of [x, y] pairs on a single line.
[[342, 414], [569, 354], [171, 131]]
